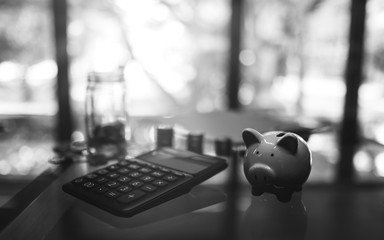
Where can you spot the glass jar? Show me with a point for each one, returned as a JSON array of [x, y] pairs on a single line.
[[107, 123]]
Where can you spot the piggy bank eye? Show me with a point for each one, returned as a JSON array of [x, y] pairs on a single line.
[[272, 154], [256, 152]]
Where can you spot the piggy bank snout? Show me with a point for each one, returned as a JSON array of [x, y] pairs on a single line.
[[261, 175]]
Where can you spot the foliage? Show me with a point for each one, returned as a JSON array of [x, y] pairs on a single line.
[[25, 31]]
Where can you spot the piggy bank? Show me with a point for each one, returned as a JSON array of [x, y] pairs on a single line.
[[276, 162]]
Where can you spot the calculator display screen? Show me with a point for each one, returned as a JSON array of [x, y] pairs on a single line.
[[183, 164]]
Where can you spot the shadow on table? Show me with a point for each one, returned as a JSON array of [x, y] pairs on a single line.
[[83, 220]]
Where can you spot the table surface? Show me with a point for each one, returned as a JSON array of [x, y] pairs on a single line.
[[213, 210]]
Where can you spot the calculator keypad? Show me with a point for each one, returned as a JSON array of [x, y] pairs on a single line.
[[128, 181], [132, 185]]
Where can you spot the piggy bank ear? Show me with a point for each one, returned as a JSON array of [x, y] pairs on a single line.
[[289, 143], [251, 136]]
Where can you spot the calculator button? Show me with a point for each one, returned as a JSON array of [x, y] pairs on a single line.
[[123, 163], [112, 184], [147, 178], [136, 161], [100, 189], [101, 180], [124, 188], [157, 174], [149, 188], [165, 170], [135, 174], [145, 170], [124, 179], [151, 166], [78, 180], [136, 183], [89, 184], [114, 167], [170, 178], [123, 170], [102, 171], [112, 194], [91, 176], [134, 166], [113, 175], [159, 183], [131, 197], [179, 174]]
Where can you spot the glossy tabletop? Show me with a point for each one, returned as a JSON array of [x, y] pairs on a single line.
[[220, 208]]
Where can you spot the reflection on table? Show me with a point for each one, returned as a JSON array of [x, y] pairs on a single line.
[[38, 209]]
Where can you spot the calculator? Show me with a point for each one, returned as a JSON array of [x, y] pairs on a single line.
[[133, 185]]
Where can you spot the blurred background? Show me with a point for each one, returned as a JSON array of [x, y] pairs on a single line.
[[287, 56]]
